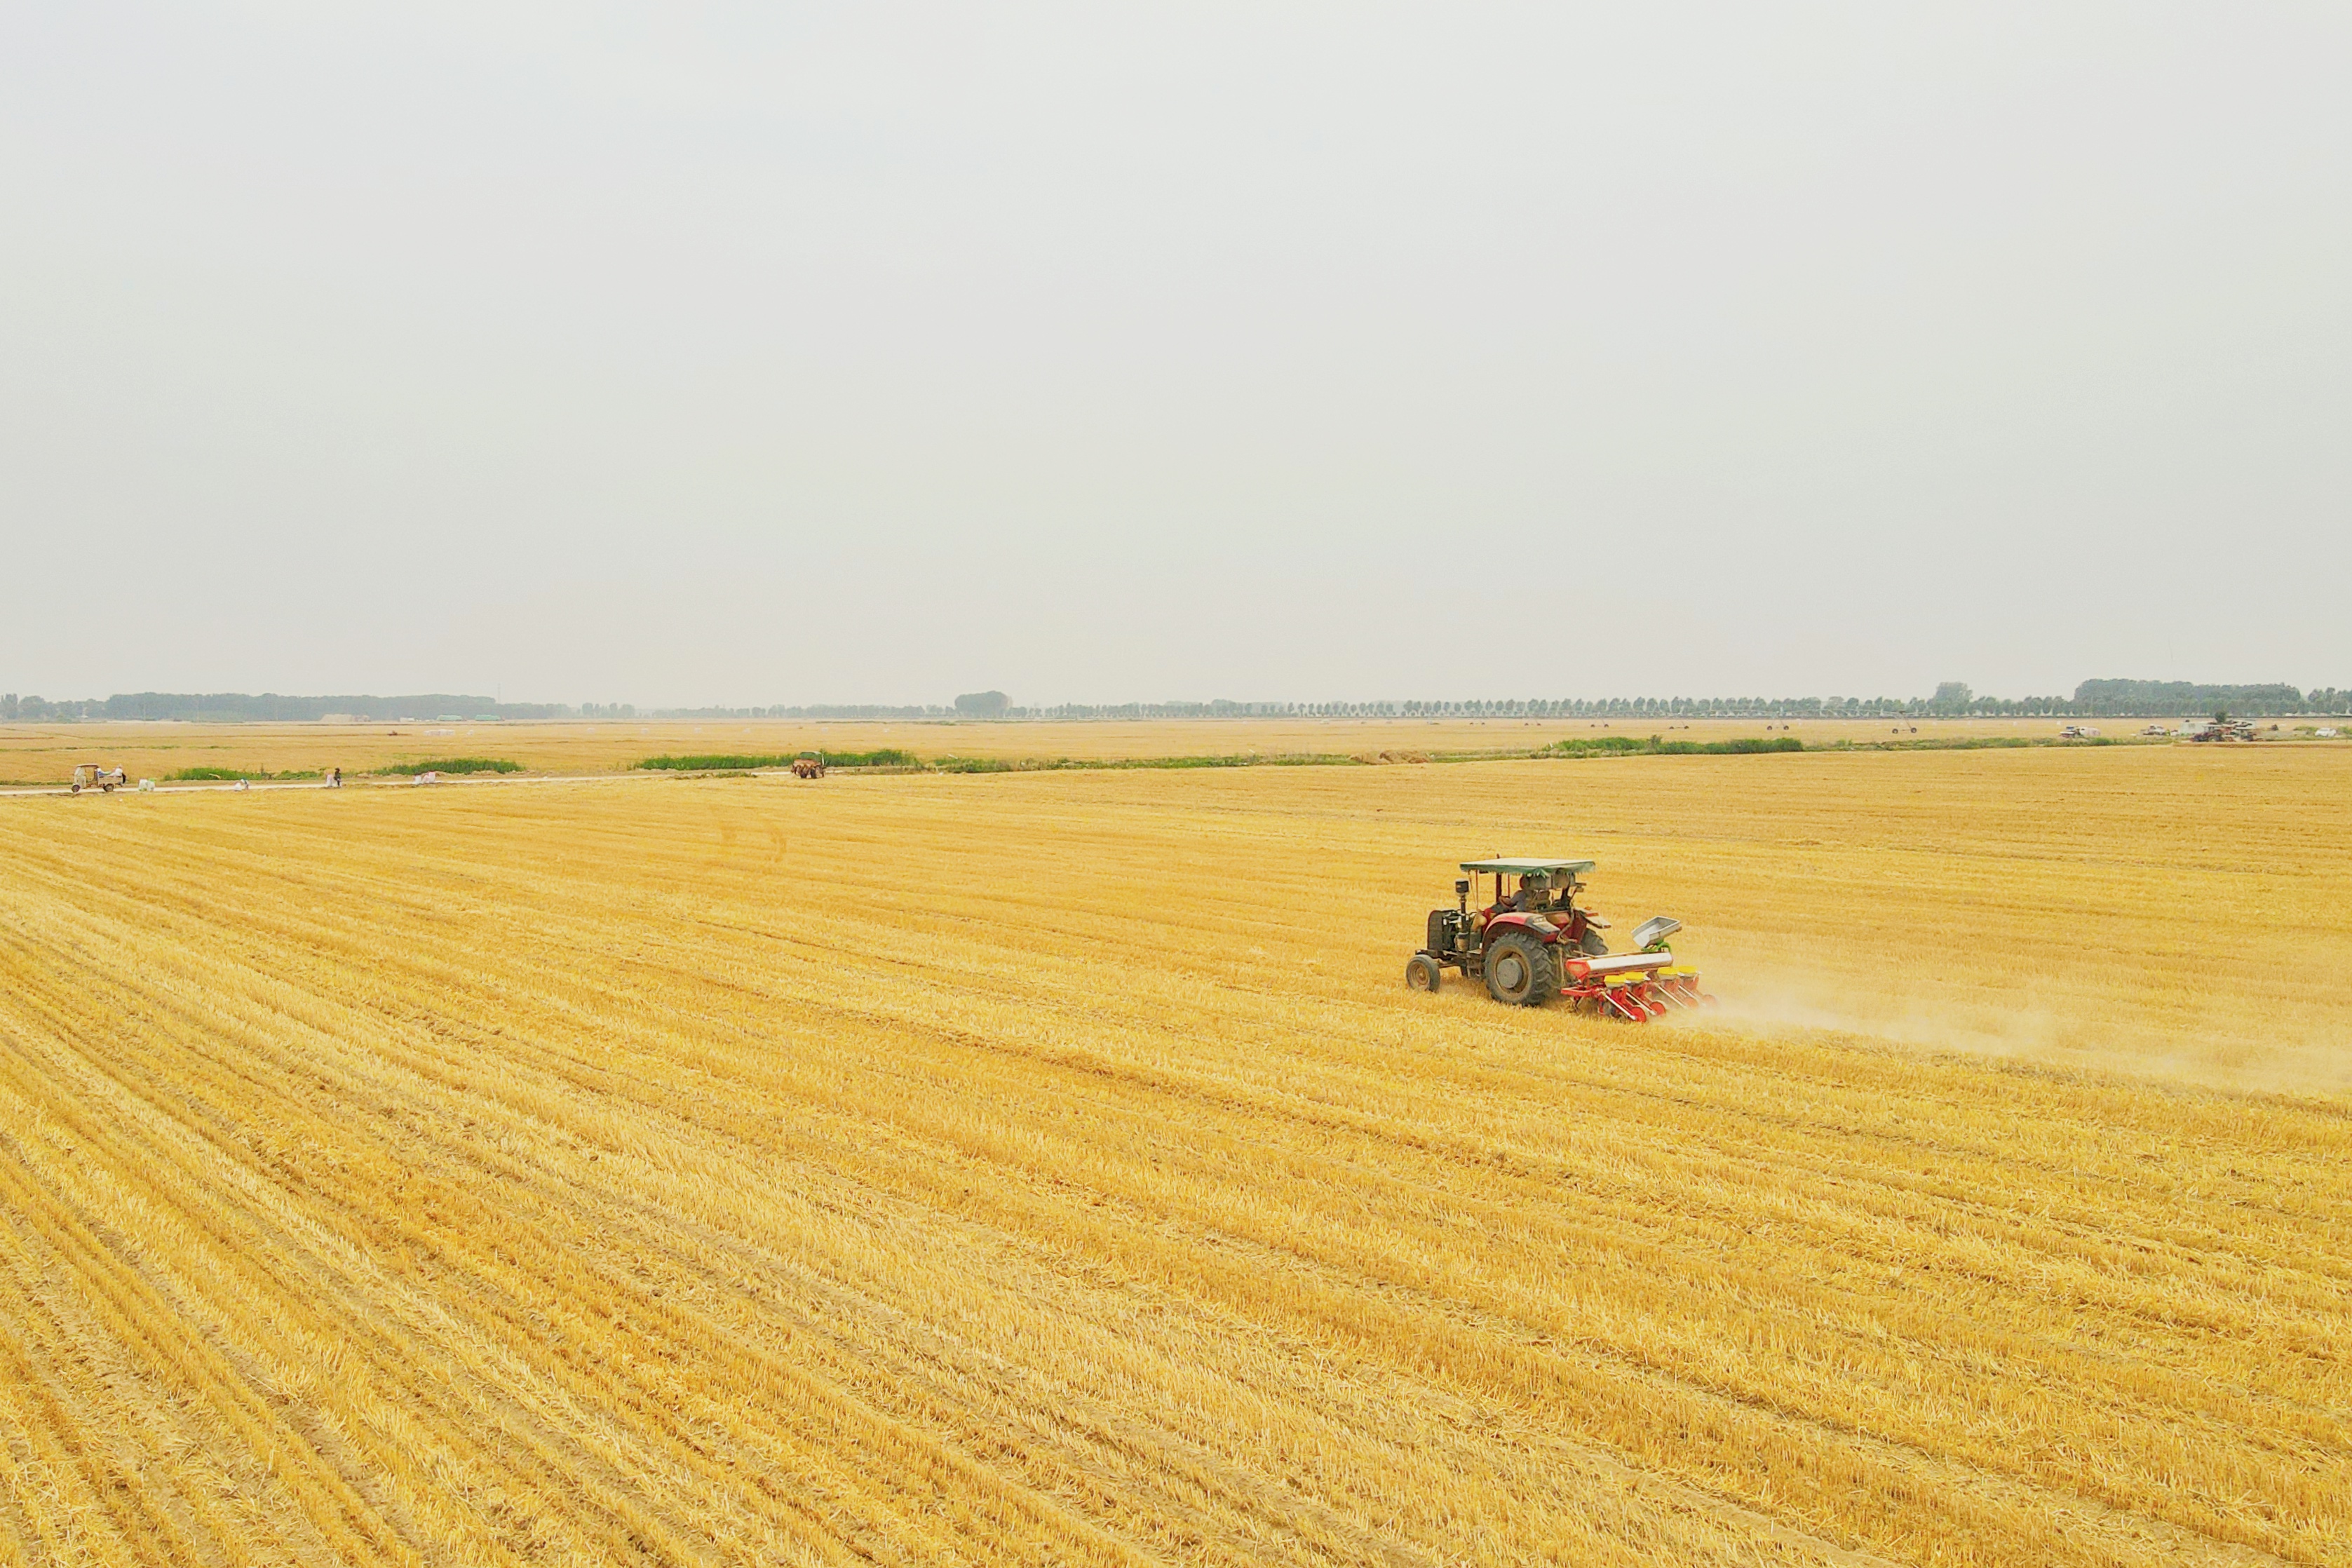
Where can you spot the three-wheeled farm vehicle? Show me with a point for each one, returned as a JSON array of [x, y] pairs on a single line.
[[1533, 946], [86, 776], [808, 767]]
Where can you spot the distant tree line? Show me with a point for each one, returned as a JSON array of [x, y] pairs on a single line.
[[1952, 700], [2092, 698], [2134, 697], [269, 707]]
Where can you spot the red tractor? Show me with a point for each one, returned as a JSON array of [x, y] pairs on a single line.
[[1532, 944]]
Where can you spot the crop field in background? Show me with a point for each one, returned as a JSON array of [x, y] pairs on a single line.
[[1053, 1168], [46, 754]]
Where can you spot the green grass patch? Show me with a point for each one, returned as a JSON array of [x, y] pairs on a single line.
[[1656, 746], [889, 757], [1287, 759], [1749, 746], [1002, 764], [738, 762], [225, 776], [454, 765], [1602, 745]]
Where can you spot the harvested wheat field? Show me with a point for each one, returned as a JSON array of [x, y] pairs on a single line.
[[1052, 1168], [46, 754]]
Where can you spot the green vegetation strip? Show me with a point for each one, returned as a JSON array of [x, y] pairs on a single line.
[[1653, 746], [1599, 746], [1575, 747], [885, 758], [454, 765], [196, 776]]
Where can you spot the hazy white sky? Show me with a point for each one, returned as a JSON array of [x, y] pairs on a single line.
[[796, 353]]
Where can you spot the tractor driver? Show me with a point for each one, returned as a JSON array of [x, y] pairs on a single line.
[[1584, 928]]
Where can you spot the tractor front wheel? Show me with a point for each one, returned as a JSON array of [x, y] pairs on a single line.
[[1422, 973], [1519, 970]]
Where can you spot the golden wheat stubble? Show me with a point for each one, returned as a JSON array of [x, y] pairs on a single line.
[[1052, 1168]]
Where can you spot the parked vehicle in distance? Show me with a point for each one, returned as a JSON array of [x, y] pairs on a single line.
[[89, 775]]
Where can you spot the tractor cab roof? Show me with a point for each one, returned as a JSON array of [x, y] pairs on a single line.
[[1526, 867]]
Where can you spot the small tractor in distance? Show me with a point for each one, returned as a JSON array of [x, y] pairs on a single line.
[[2223, 728], [808, 767], [1534, 945]]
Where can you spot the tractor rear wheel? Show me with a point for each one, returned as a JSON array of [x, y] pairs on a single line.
[[1422, 973], [1519, 970]]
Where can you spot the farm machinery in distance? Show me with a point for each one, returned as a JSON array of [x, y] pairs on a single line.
[[89, 775], [1533, 946]]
